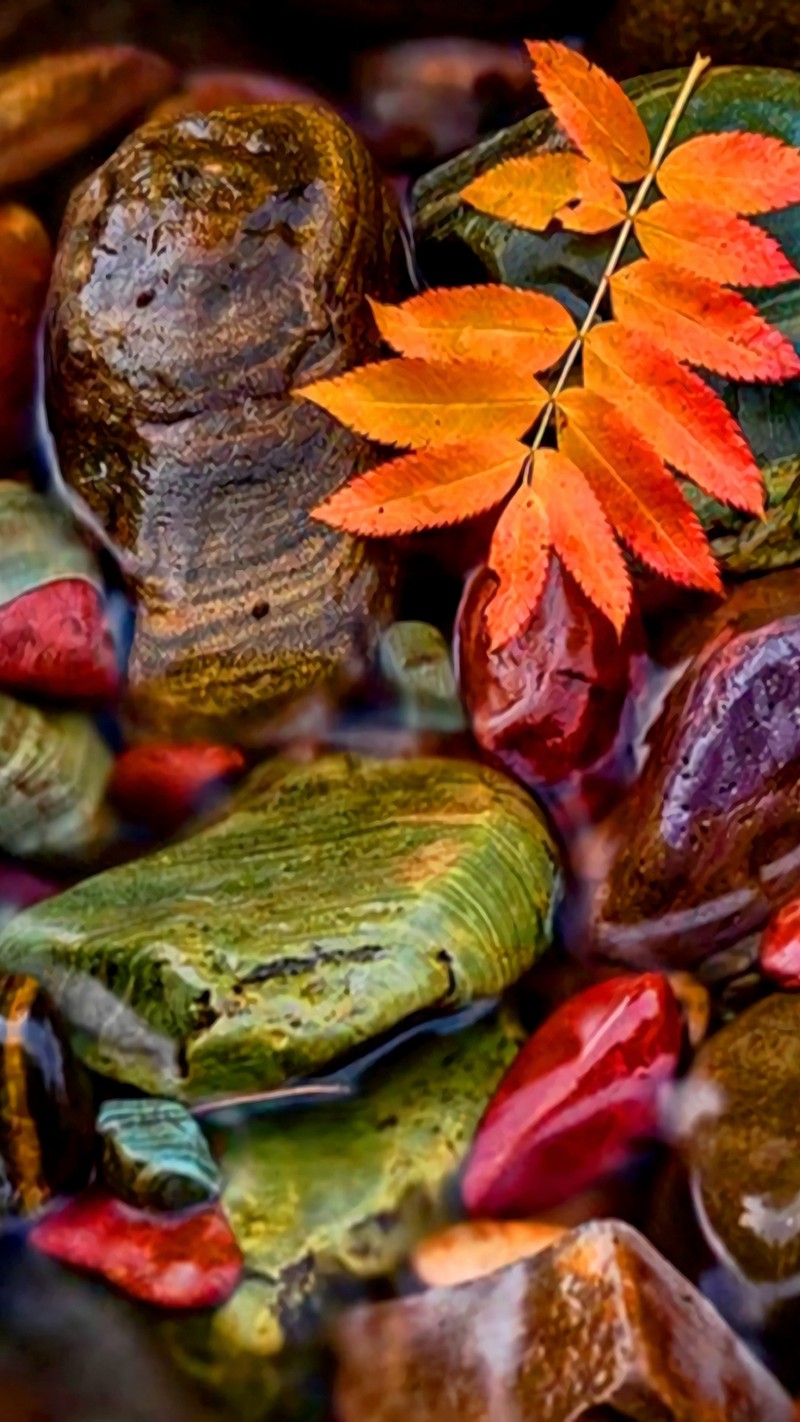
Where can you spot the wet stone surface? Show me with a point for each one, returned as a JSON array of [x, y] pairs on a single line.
[[185, 438], [331, 904], [599, 1320], [155, 1156]]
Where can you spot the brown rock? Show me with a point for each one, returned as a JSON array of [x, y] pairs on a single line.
[[204, 91], [24, 271], [207, 271], [599, 1320], [473, 1248], [642, 35], [52, 107]]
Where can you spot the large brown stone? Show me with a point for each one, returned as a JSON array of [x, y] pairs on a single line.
[[206, 272], [599, 1320]]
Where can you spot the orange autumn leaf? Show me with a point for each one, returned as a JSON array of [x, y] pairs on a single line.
[[594, 112], [743, 173], [639, 495], [419, 402], [581, 534], [534, 189], [712, 244], [519, 556], [701, 322], [489, 322], [429, 489], [684, 420]]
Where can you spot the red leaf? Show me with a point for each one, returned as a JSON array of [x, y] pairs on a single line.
[[592, 109], [582, 1091], [173, 1261], [519, 557], [639, 495], [712, 244], [581, 535], [417, 402], [739, 172], [683, 419], [486, 322], [701, 322], [429, 489]]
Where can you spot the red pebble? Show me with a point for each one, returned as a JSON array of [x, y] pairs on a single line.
[[582, 1091], [549, 702], [163, 783], [779, 954], [56, 641], [173, 1261]]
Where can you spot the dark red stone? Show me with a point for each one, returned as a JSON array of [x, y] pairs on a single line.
[[164, 783], [580, 1094], [173, 1261], [549, 702], [56, 641], [779, 954]]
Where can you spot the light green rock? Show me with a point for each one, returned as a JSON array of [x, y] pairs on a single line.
[[415, 662], [334, 902], [154, 1155], [322, 1199]]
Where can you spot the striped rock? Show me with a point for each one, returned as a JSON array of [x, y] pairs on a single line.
[[155, 1155], [332, 903]]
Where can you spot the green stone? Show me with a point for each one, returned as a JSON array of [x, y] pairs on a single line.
[[38, 544], [415, 662], [323, 1200], [155, 1155], [54, 767], [334, 902], [456, 243]]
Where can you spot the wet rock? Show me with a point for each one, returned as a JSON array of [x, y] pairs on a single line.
[[477, 1247], [333, 902], [743, 545], [181, 1261], [706, 842], [46, 1109], [548, 702], [582, 1093], [163, 783], [56, 105], [323, 1201], [53, 773], [415, 661], [24, 273], [55, 637], [425, 99], [743, 1149], [650, 34], [694, 1001], [455, 243], [600, 1320], [183, 436], [155, 1156], [779, 953]]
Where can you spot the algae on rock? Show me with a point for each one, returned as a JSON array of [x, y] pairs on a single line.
[[334, 902]]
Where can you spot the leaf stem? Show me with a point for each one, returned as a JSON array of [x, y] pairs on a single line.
[[700, 63]]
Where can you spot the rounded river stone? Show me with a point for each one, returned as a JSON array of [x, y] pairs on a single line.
[[744, 1150], [206, 272], [154, 1155], [334, 902], [323, 1200]]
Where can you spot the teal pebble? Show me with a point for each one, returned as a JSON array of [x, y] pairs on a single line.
[[155, 1156]]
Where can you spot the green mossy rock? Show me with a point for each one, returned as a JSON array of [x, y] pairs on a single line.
[[456, 243], [323, 1200], [334, 902]]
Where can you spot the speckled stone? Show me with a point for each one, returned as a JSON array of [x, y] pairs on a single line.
[[599, 1320]]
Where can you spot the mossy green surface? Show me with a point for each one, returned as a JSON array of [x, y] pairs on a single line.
[[324, 1200], [333, 902]]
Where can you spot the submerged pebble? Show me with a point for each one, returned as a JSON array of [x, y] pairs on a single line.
[[155, 1156], [25, 260]]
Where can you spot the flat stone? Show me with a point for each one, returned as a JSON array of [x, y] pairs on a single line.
[[599, 1320], [333, 902], [155, 1155], [321, 1201]]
